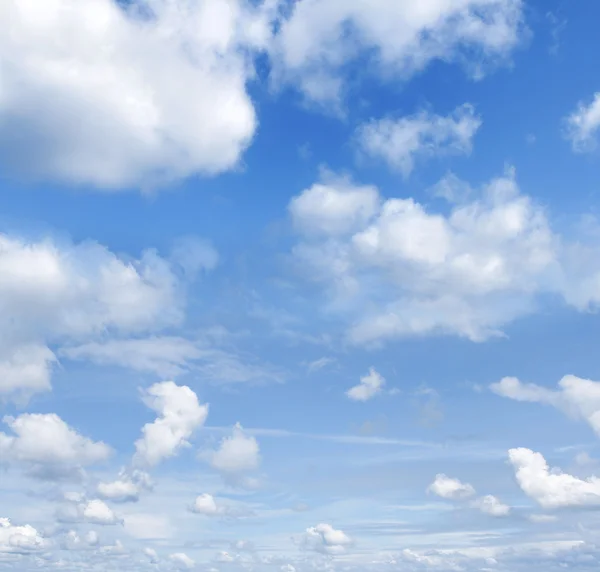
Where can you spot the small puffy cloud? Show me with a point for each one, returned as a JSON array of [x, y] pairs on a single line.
[[489, 504], [73, 541], [237, 454], [326, 539], [74, 110], [152, 555], [20, 539], [403, 142], [179, 415], [26, 370], [92, 511], [47, 447], [552, 488], [575, 396], [205, 504], [127, 488], [397, 38], [182, 561], [370, 385], [583, 124], [451, 489]]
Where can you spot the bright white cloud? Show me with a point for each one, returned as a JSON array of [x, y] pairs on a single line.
[[47, 447], [583, 124], [179, 415], [152, 555], [577, 397], [489, 504], [552, 488], [321, 37], [92, 511], [326, 539], [127, 488], [404, 141], [182, 561], [20, 539], [449, 488], [89, 86], [205, 504], [54, 292], [370, 385], [237, 454], [409, 270]]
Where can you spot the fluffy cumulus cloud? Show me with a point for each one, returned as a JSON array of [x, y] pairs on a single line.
[[182, 561], [577, 397], [404, 141], [47, 447], [119, 94], [179, 415], [127, 488], [392, 268], [237, 455], [326, 539], [56, 292], [449, 488], [400, 37], [76, 508], [20, 539], [583, 124], [489, 504], [370, 385], [206, 505], [552, 488]]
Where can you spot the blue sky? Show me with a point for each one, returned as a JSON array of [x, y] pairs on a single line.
[[293, 286]]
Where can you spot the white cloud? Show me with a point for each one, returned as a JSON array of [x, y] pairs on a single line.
[[577, 397], [409, 270], [370, 385], [179, 415], [237, 454], [543, 518], [92, 511], [489, 504], [88, 86], [583, 124], [403, 142], [326, 539], [321, 37], [47, 447], [552, 488], [205, 504], [20, 539], [54, 292], [449, 488], [127, 488], [152, 555], [182, 561], [73, 541]]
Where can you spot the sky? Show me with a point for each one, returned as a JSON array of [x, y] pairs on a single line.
[[299, 285]]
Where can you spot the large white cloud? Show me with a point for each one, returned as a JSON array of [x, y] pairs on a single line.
[[404, 269], [404, 141], [179, 415], [321, 37], [20, 539], [552, 488], [577, 397], [47, 447], [119, 95], [127, 488], [326, 539], [55, 292]]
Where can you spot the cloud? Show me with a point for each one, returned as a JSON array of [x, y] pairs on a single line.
[[127, 488], [237, 455], [47, 447], [55, 293], [179, 415], [370, 385], [182, 561], [92, 511], [152, 555], [577, 397], [206, 505], [99, 106], [326, 539], [402, 142], [408, 270], [73, 541], [583, 124], [489, 504], [552, 488], [321, 37], [20, 539], [449, 488]]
